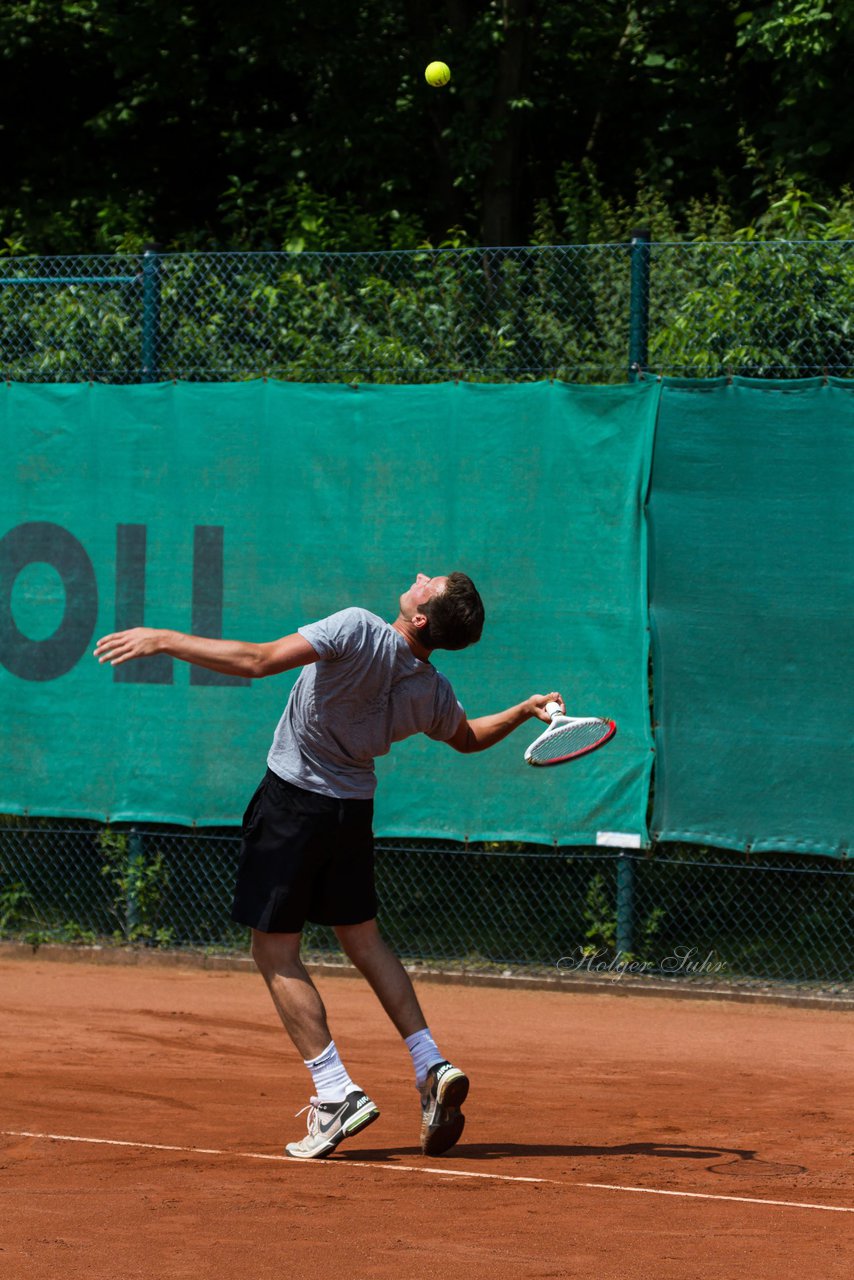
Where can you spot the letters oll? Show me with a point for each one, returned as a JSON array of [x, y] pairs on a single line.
[[42, 542]]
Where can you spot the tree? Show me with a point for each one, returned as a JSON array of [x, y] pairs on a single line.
[[197, 123]]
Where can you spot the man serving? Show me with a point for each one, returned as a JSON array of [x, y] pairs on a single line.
[[307, 851]]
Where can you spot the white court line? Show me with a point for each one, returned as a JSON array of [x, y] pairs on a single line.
[[701, 1195], [255, 1155], [416, 1168]]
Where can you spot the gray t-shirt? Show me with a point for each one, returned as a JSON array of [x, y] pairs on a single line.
[[367, 691]]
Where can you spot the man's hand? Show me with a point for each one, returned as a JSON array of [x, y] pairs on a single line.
[[537, 703], [121, 646]]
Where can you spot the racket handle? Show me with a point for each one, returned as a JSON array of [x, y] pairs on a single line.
[[553, 709]]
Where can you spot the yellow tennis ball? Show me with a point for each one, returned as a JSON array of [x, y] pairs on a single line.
[[437, 74]]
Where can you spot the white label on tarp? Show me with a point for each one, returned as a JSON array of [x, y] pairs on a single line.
[[618, 839]]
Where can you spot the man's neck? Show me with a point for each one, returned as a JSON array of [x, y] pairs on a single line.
[[410, 635]]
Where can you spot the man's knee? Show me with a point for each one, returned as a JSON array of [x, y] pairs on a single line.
[[275, 952], [359, 940]]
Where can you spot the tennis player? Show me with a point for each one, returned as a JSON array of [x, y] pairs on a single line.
[[307, 850]]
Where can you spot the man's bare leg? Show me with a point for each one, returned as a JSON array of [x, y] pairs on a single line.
[[341, 1107], [443, 1087], [364, 945], [295, 996]]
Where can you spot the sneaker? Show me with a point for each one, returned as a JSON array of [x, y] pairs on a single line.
[[442, 1094], [331, 1122]]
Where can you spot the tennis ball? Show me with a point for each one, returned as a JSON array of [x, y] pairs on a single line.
[[437, 74]]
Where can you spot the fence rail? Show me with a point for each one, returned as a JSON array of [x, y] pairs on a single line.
[[681, 914], [586, 313]]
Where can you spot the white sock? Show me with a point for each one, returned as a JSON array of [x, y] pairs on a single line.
[[331, 1082], [425, 1054]]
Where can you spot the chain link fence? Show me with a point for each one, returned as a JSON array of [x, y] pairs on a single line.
[[580, 313], [680, 914]]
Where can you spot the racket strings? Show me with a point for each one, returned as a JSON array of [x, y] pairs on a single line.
[[570, 739]]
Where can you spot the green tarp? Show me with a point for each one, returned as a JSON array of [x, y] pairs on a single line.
[[246, 509], [752, 607]]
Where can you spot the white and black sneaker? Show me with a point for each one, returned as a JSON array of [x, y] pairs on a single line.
[[331, 1122], [442, 1094]]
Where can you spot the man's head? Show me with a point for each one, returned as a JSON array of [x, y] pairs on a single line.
[[446, 611]]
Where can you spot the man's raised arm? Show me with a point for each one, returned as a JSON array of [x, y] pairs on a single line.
[[231, 657]]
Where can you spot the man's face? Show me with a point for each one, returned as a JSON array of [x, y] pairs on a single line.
[[422, 590]]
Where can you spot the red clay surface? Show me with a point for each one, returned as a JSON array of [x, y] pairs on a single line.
[[711, 1098]]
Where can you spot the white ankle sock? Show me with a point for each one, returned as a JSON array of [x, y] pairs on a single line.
[[425, 1053], [331, 1081]]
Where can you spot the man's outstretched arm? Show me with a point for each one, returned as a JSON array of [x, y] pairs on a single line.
[[485, 731], [231, 657]]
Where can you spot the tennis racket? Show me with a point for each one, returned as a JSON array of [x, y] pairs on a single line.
[[568, 737]]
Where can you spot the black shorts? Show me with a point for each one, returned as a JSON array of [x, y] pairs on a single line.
[[304, 856]]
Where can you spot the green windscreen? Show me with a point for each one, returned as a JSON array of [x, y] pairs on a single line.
[[752, 610], [243, 510]]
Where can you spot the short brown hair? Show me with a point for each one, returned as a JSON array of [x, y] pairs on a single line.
[[455, 616]]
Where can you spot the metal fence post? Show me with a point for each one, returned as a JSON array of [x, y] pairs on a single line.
[[625, 903], [133, 871], [639, 302], [150, 313]]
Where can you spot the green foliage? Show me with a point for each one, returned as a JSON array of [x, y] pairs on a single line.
[[770, 298], [207, 127], [202, 126], [14, 900], [600, 916], [139, 884], [779, 309], [799, 31], [423, 315]]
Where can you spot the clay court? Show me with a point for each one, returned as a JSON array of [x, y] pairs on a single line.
[[145, 1110]]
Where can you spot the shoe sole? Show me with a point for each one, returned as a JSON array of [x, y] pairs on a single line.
[[355, 1124], [444, 1135], [447, 1128]]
